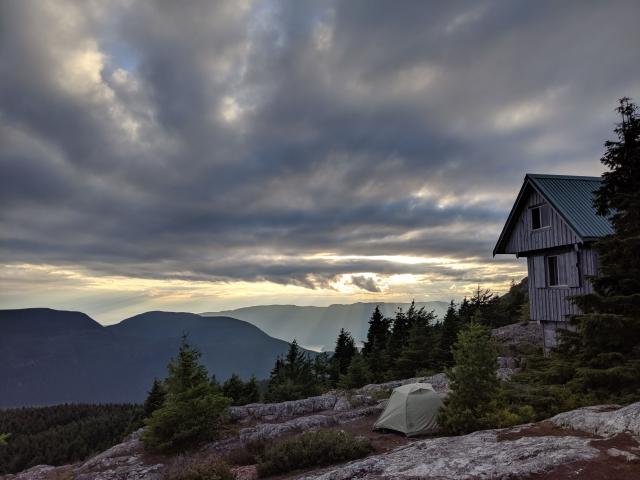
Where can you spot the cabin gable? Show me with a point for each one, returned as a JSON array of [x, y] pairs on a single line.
[[537, 225]]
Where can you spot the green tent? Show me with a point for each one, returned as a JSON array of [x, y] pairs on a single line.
[[412, 409]]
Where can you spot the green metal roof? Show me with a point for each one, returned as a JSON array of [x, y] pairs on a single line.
[[572, 197]]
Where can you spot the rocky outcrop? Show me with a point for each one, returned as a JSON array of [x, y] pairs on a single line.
[[272, 430], [473, 456], [267, 431], [517, 452], [121, 462], [273, 412], [39, 472], [277, 411], [604, 420], [439, 382], [518, 339]]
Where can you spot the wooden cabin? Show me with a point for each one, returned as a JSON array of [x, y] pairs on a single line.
[[553, 224]]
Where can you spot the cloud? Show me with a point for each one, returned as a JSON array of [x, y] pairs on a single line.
[[239, 141], [365, 283]]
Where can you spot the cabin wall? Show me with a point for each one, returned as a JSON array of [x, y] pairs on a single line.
[[524, 239], [551, 303]]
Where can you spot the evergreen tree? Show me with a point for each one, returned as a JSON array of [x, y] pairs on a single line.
[[215, 384], [449, 334], [357, 374], [192, 412], [606, 342], [398, 338], [421, 350], [233, 388], [465, 312], [378, 332], [250, 391], [342, 355], [375, 348], [4, 437], [471, 405], [322, 370], [155, 398], [292, 378]]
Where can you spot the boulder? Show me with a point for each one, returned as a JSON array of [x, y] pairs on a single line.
[[604, 420]]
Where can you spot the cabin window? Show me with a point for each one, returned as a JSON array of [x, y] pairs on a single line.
[[539, 217], [552, 271]]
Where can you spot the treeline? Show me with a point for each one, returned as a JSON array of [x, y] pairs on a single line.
[[413, 343], [63, 433]]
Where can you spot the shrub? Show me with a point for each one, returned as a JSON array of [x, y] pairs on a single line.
[[194, 468], [382, 394], [248, 455], [502, 417], [193, 410], [310, 449]]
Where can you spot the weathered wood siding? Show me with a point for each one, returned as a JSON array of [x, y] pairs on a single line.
[[551, 303], [524, 239]]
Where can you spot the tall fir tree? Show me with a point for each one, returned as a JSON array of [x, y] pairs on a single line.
[[233, 388], [398, 338], [374, 350], [449, 334], [292, 378], [378, 332], [474, 385], [343, 354], [155, 398], [322, 370], [465, 312], [606, 341], [421, 350], [250, 391]]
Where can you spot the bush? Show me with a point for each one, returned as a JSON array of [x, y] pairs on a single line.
[[248, 455], [382, 394], [193, 468], [311, 449], [193, 410]]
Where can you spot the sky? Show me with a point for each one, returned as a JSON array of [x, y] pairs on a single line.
[[201, 156]]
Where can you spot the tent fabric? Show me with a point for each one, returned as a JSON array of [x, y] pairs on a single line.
[[411, 409]]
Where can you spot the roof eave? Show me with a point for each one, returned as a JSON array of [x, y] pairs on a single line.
[[499, 248]]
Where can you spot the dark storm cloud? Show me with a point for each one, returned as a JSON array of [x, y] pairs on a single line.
[[209, 140], [365, 283]]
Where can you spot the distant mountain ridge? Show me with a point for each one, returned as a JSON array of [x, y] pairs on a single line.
[[51, 356], [318, 327]]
